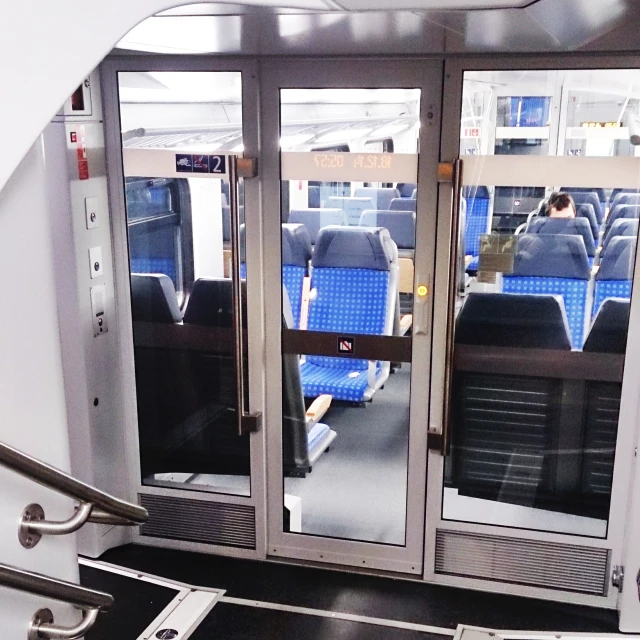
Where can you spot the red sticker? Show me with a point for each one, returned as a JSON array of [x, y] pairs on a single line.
[[81, 152]]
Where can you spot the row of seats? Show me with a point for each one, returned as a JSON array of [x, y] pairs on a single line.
[[401, 224], [559, 265]]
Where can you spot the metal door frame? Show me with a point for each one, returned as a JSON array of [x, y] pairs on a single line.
[[425, 74], [630, 406], [255, 292]]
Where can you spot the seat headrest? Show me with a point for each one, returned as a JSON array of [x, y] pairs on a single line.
[[567, 226], [400, 224], [597, 192], [355, 248], [626, 198], [585, 209], [608, 333], [621, 227], [475, 192], [211, 303], [381, 196], [554, 256], [625, 211], [406, 189], [618, 261], [154, 299], [402, 204], [315, 219], [296, 245], [511, 320]]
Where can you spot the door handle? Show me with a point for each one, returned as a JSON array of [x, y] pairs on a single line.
[[244, 167], [449, 173]]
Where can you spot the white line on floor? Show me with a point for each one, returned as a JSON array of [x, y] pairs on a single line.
[[338, 615]]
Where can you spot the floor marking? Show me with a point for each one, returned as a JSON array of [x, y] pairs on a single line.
[[339, 615]]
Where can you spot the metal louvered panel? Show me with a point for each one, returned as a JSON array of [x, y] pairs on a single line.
[[229, 525], [528, 562], [600, 438], [503, 429]]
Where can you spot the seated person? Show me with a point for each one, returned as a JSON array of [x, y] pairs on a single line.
[[560, 205]]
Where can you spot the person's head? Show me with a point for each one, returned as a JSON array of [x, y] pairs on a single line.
[[561, 205]]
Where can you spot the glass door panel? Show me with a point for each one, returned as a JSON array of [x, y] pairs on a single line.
[[179, 205], [539, 340]]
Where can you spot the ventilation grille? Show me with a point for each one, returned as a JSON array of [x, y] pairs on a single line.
[[527, 562], [229, 525]]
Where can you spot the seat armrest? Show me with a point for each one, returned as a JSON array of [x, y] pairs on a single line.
[[318, 408]]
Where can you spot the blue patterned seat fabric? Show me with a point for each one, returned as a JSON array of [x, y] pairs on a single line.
[[167, 266], [350, 281], [296, 254], [555, 265], [476, 222], [614, 278]]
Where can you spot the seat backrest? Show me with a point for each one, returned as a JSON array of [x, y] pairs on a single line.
[[586, 211], [567, 226], [406, 189], [625, 198], [510, 320], [557, 265], [381, 197], [400, 224], [620, 227], [351, 206], [313, 197], [354, 286], [589, 197], [154, 299], [608, 333], [211, 303], [477, 218], [631, 211], [615, 275], [402, 204], [316, 219], [296, 255], [618, 190]]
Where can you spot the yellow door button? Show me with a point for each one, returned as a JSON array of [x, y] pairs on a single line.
[[423, 290]]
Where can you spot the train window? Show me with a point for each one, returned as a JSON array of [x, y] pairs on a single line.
[[348, 242], [541, 322], [177, 131]]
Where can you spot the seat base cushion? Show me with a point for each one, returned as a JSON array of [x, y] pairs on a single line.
[[317, 380]]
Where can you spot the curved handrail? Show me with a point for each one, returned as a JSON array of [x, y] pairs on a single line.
[[41, 585], [48, 476]]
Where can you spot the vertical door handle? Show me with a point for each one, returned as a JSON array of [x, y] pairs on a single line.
[[247, 422]]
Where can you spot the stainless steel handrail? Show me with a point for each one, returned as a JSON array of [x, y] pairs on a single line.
[[93, 505], [42, 625], [61, 482], [41, 585]]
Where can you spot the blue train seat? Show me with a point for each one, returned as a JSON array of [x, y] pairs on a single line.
[[402, 204], [567, 226], [615, 275], [354, 282], [477, 221], [620, 227], [352, 207], [608, 333], [512, 320], [406, 189], [578, 195], [400, 224], [585, 210], [316, 219], [154, 299], [557, 265], [617, 191], [590, 197], [381, 197], [414, 194], [625, 197], [296, 254], [630, 211]]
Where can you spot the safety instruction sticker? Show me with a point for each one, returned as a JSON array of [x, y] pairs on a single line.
[[346, 345], [497, 253]]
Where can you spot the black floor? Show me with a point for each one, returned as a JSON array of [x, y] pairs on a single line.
[[234, 622], [137, 604], [387, 598]]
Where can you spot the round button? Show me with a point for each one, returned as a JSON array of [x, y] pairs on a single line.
[[422, 290], [96, 266]]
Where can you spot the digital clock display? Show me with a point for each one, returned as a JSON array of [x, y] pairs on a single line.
[[353, 160]]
